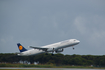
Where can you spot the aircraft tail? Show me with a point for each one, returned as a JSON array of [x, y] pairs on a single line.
[[21, 48]]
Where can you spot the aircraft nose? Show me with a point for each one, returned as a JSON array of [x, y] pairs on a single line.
[[78, 41]]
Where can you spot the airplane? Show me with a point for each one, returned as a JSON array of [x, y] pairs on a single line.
[[56, 47]]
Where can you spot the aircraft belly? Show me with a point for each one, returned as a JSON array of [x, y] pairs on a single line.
[[36, 51], [64, 46]]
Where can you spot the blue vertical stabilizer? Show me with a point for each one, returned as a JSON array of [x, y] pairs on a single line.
[[21, 48]]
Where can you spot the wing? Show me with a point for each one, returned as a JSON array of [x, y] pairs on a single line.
[[44, 49]]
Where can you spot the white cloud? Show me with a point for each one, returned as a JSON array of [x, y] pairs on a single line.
[[92, 28], [3, 41], [80, 22], [6, 40], [97, 37]]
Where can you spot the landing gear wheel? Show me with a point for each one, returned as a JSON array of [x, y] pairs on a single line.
[[73, 48], [52, 54]]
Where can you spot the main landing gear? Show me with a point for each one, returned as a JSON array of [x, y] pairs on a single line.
[[73, 48], [46, 53], [52, 52]]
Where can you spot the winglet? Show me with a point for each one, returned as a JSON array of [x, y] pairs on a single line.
[[21, 48]]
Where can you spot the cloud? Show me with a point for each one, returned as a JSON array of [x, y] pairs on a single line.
[[92, 29], [3, 41], [79, 23]]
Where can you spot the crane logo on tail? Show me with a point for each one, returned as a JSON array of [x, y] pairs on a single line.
[[20, 47]]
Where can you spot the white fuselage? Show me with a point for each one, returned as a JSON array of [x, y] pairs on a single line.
[[51, 47]]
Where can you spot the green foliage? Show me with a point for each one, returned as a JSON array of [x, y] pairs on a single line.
[[56, 59]]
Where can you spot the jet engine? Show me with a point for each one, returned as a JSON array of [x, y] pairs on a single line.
[[59, 50]]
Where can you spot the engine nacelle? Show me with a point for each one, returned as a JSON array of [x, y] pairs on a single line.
[[50, 50], [59, 50]]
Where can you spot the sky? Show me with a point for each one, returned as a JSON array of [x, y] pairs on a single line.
[[43, 22]]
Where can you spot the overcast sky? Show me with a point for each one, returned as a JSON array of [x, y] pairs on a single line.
[[43, 22]]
